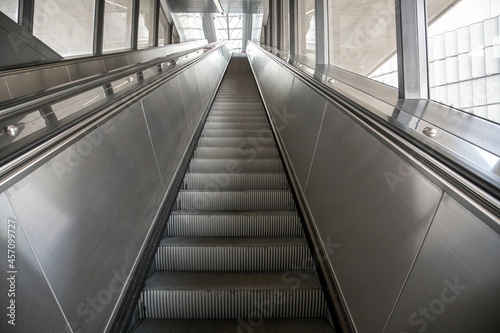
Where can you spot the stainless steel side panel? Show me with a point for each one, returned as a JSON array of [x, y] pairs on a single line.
[[85, 69], [30, 82], [115, 62], [87, 212], [32, 314], [299, 121], [4, 90], [372, 211], [191, 97], [168, 127], [454, 286]]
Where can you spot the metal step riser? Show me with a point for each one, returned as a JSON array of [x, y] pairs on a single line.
[[262, 134], [233, 258], [236, 153], [191, 225], [235, 166], [237, 201], [208, 182], [248, 142], [225, 126], [237, 119], [244, 304], [237, 113]]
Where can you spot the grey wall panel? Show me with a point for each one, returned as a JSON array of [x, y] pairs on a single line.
[[34, 81], [168, 127], [299, 121], [85, 69], [190, 94], [455, 284], [86, 213], [375, 208], [283, 89], [31, 313]]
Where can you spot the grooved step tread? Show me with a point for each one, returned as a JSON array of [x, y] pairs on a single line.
[[231, 281], [233, 241], [306, 325]]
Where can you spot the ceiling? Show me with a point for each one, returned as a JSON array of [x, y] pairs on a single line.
[[208, 6]]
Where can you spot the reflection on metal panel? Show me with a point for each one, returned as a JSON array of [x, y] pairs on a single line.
[[375, 207], [454, 286], [4, 90], [78, 102], [87, 212], [31, 82], [168, 127], [31, 313]]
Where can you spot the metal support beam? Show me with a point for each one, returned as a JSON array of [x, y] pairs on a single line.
[[321, 12], [156, 23], [293, 26], [135, 24], [411, 33], [278, 7], [247, 30], [100, 7], [26, 14]]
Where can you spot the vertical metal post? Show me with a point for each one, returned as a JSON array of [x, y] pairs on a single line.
[[293, 26], [279, 21], [157, 8], [26, 14], [321, 12], [135, 24], [227, 25], [411, 34], [100, 8]]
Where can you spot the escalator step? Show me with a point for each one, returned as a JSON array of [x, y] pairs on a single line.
[[221, 181], [235, 200], [264, 134], [228, 165], [259, 118], [236, 125], [246, 142], [234, 224], [225, 254], [238, 153], [229, 295], [316, 325]]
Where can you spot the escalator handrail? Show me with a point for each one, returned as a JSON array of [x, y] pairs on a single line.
[[23, 159], [26, 104]]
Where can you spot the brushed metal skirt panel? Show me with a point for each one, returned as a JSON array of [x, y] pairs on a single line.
[[30, 311], [376, 208], [455, 285], [87, 212]]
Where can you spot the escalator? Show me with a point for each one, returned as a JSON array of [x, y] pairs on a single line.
[[234, 257]]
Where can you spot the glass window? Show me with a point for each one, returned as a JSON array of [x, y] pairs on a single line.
[[117, 25], [146, 24], [189, 26], [464, 53], [65, 26], [362, 38], [257, 27], [163, 30], [286, 25], [230, 27], [306, 28], [10, 8]]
